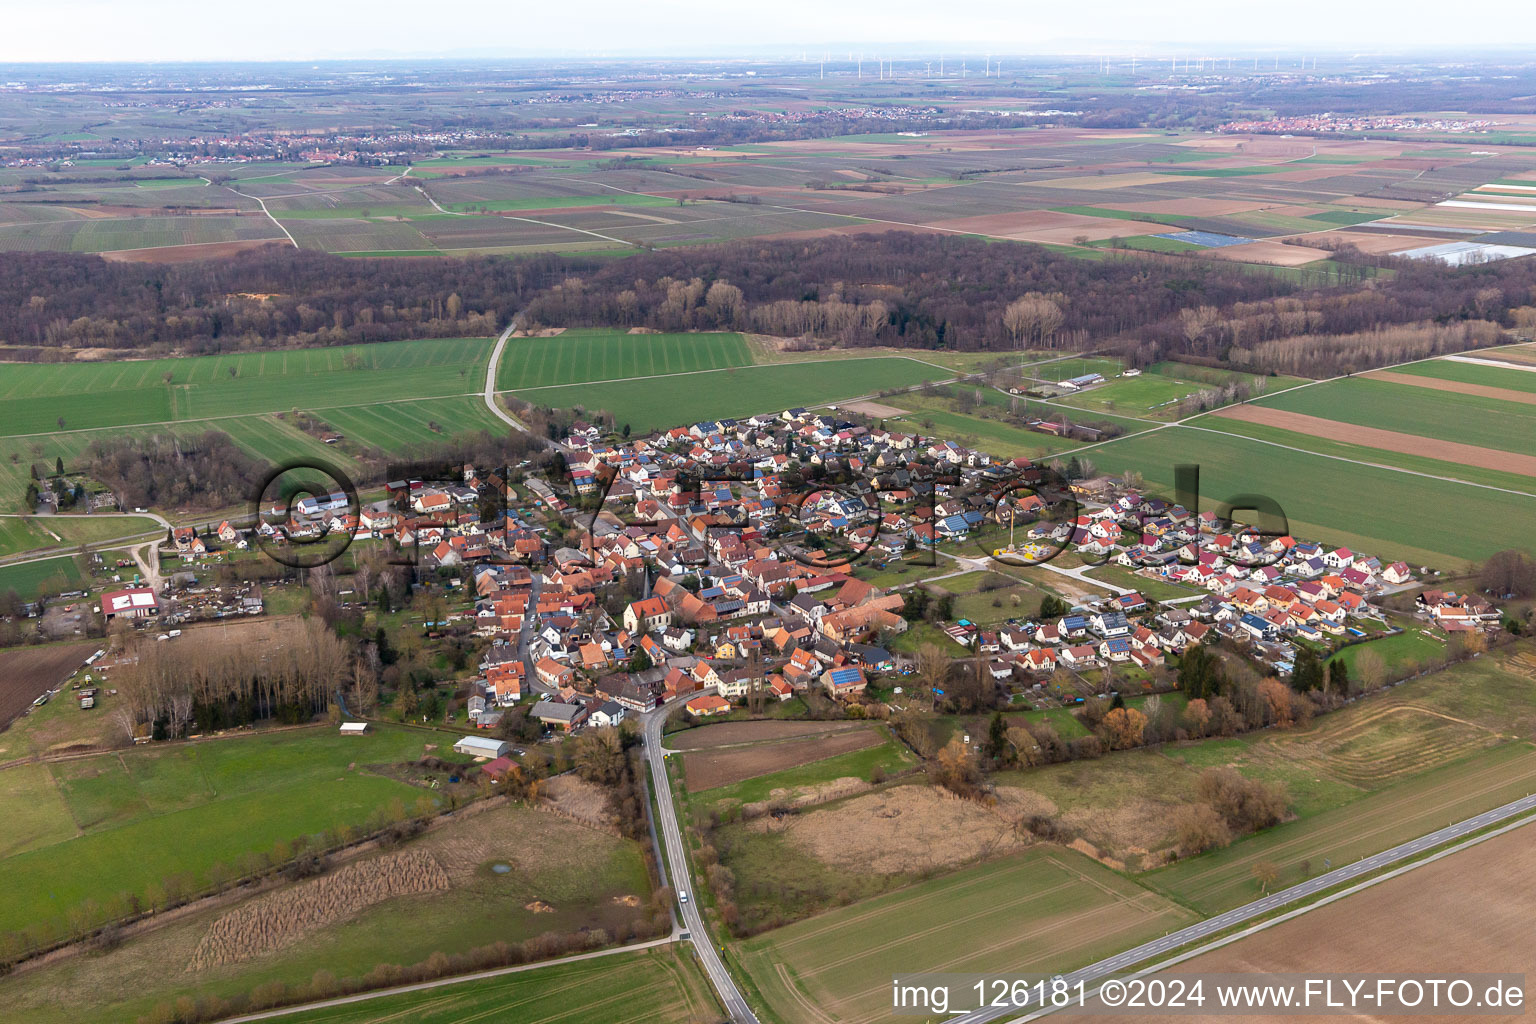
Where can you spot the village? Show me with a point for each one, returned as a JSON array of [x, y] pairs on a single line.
[[753, 560]]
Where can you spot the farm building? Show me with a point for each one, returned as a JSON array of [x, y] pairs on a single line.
[[842, 682], [558, 714], [354, 728], [481, 746], [708, 704], [133, 603]]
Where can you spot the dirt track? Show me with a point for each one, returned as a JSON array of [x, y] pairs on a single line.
[[1386, 440], [1459, 387]]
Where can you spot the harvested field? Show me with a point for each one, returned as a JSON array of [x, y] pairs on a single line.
[[1477, 903], [1386, 440], [25, 673], [188, 253], [1523, 355], [874, 409], [282, 918], [1374, 242], [1196, 207], [1278, 253], [727, 733], [856, 229], [1049, 225], [1096, 182], [899, 830], [584, 802], [1459, 387], [707, 769]]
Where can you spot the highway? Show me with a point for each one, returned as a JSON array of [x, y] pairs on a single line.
[[676, 868], [1091, 975]]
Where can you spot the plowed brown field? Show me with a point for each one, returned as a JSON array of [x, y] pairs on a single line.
[[1386, 440]]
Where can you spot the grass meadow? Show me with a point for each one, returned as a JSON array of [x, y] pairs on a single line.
[[52, 574], [138, 819], [580, 877]]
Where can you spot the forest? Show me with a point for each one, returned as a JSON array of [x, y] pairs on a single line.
[[893, 289]]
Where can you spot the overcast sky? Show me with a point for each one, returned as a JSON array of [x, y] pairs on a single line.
[[57, 30]]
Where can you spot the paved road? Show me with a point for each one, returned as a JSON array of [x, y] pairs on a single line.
[[490, 377], [676, 868], [1094, 973]]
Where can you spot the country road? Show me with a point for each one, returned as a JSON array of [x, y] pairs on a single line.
[[490, 377], [676, 868], [1091, 975]]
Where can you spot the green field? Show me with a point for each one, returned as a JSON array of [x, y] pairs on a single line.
[[1472, 373], [137, 819], [655, 986], [576, 356], [1155, 590], [587, 879], [396, 426], [1379, 511], [34, 397], [29, 534], [1150, 394], [52, 574], [18, 534], [1410, 647], [1379, 456], [1444, 415], [1045, 910], [663, 402]]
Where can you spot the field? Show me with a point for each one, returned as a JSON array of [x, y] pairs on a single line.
[[804, 776], [1477, 902], [53, 575], [562, 877], [1155, 393], [1395, 765], [68, 531], [142, 818], [576, 356], [704, 770], [656, 986], [87, 395], [1332, 499], [25, 672], [1470, 421], [730, 733], [659, 402], [1450, 452], [1094, 194], [1039, 912]]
